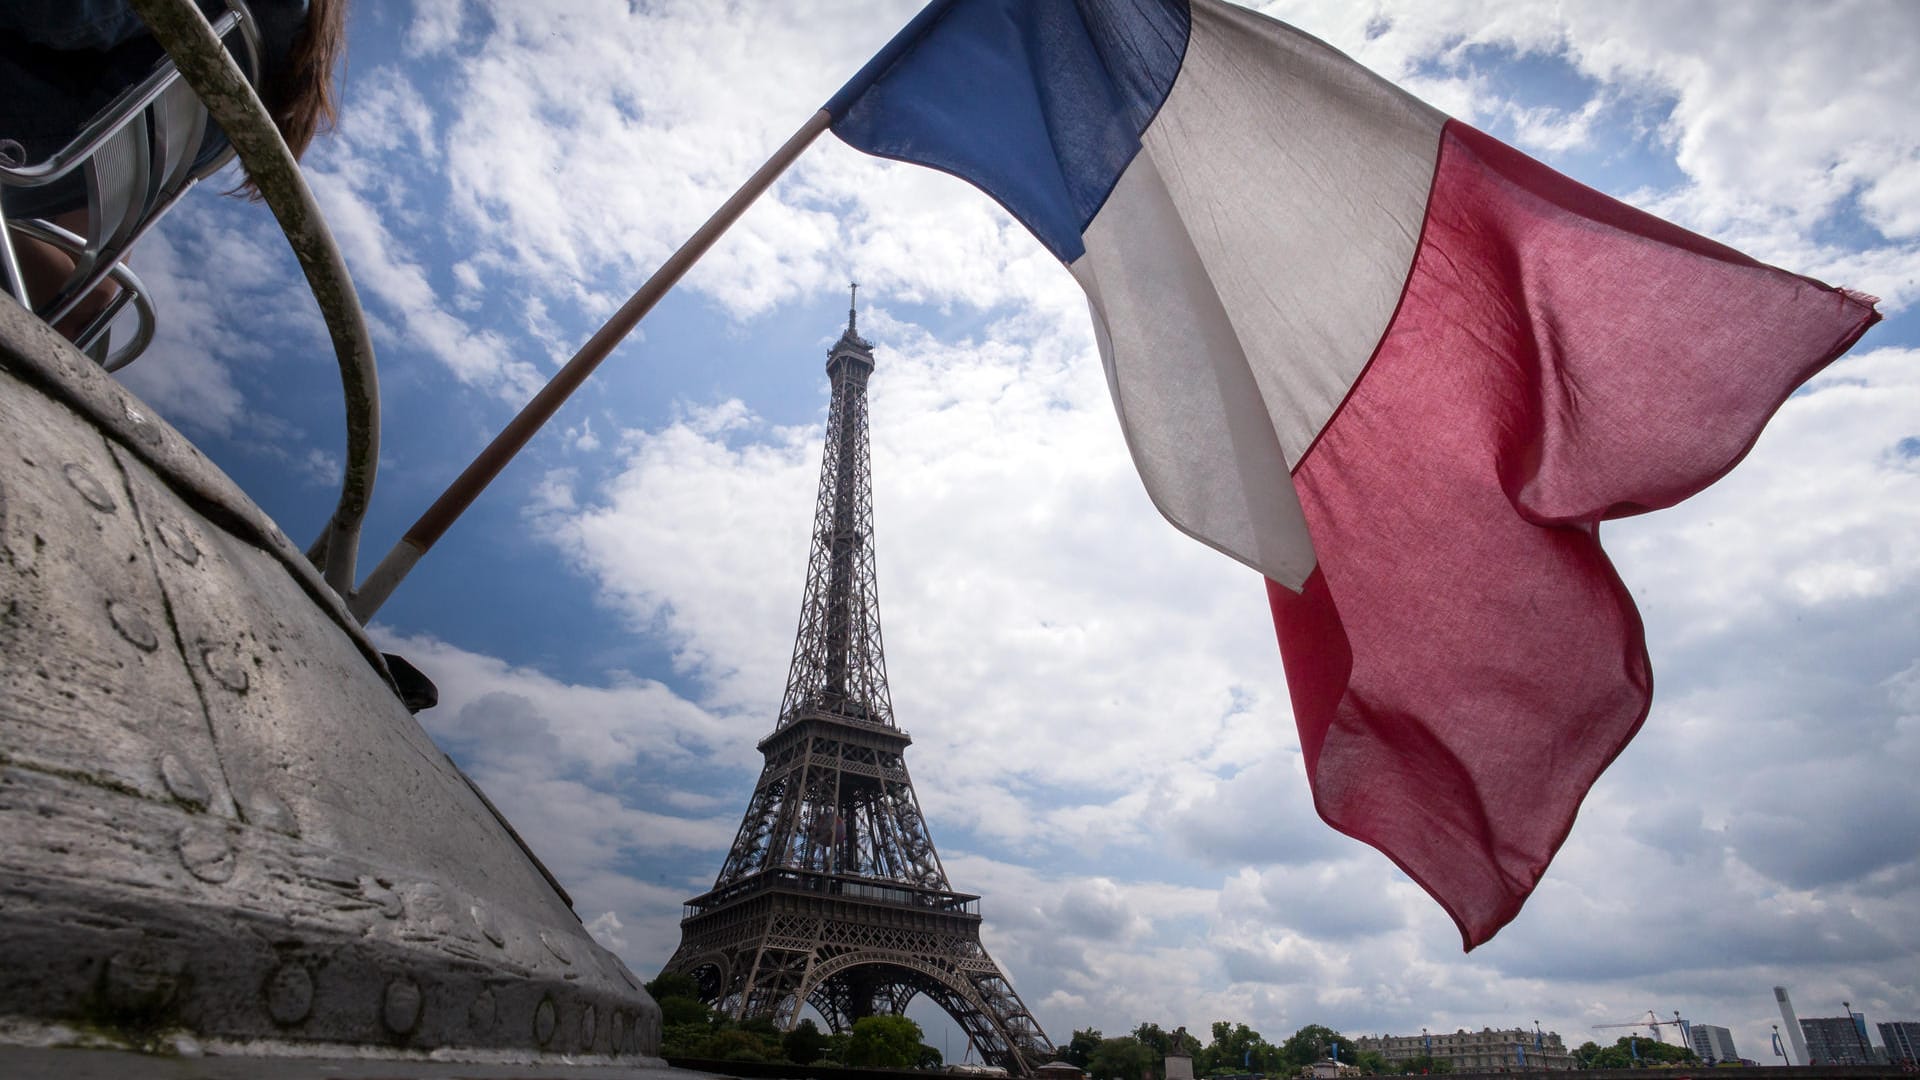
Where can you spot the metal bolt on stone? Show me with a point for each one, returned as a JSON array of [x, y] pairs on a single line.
[[206, 854], [483, 921], [89, 488], [226, 668], [266, 810], [175, 539], [143, 982], [544, 1021], [183, 782], [402, 1005], [290, 994], [133, 626]]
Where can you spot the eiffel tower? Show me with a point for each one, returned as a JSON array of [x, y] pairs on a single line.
[[832, 895]]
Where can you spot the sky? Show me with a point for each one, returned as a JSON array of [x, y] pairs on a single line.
[[1103, 743]]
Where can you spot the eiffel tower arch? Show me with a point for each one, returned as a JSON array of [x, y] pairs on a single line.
[[832, 894]]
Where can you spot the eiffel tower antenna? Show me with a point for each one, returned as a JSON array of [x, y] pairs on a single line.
[[832, 894]]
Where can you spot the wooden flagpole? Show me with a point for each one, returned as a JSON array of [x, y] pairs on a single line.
[[460, 494]]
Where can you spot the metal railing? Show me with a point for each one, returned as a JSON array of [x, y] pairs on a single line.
[[787, 880], [135, 158]]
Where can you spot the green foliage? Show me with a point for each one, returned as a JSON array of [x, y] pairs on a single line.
[[1079, 1050], [1371, 1062], [676, 1010], [689, 1029], [805, 1044], [684, 1040], [1154, 1039], [686, 1024], [884, 1041], [738, 1044], [1163, 1042], [930, 1057], [762, 1026], [1308, 1045], [1236, 1048], [1124, 1058], [673, 984], [1425, 1064], [837, 1047], [1620, 1054]]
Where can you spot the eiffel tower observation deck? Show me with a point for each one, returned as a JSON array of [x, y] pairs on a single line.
[[833, 895]]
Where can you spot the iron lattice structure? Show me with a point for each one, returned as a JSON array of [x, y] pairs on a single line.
[[833, 895]]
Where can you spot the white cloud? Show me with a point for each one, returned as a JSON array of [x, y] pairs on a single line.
[[605, 928]]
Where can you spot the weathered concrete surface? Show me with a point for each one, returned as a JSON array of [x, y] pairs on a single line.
[[215, 814], [25, 1064]]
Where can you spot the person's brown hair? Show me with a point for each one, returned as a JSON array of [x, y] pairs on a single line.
[[300, 95]]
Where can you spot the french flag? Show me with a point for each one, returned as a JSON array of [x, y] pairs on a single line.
[[1396, 366]]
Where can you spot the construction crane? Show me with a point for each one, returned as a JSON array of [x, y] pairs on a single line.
[[1654, 1023]]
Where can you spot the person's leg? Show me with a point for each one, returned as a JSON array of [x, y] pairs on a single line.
[[46, 268]]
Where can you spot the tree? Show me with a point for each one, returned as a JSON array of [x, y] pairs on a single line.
[[930, 1057], [736, 1044], [1079, 1050], [885, 1041], [1235, 1048], [1425, 1064], [673, 984], [1371, 1062], [1667, 1054], [1308, 1045], [1124, 1058], [1154, 1039], [684, 1040], [1621, 1055], [837, 1047], [677, 1011], [686, 1024], [805, 1044]]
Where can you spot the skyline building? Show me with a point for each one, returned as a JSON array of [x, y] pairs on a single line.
[[1712, 1042], [1486, 1050], [1795, 1038], [1902, 1041], [1837, 1040]]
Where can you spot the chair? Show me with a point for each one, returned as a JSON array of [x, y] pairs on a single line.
[[135, 158]]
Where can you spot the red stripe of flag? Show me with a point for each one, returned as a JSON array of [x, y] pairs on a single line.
[[1465, 661]]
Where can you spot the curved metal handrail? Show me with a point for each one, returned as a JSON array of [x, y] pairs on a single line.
[[185, 33]]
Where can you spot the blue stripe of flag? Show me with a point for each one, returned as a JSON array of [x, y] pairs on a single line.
[[1038, 103]]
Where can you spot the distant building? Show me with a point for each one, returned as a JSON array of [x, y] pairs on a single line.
[[1794, 1037], [1902, 1039], [1486, 1050], [1837, 1040], [1713, 1043]]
